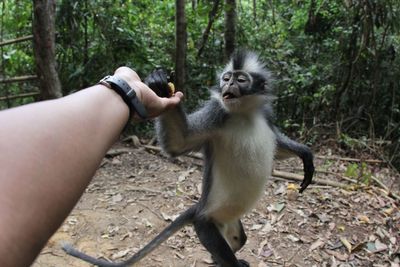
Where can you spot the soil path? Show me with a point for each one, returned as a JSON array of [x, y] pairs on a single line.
[[134, 195]]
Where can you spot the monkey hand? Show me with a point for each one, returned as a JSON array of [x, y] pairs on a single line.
[[158, 81]]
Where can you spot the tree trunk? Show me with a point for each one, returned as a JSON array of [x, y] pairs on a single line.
[[230, 27], [255, 11], [180, 57], [44, 48], [211, 17]]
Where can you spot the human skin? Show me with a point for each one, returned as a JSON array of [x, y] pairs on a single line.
[[49, 153]]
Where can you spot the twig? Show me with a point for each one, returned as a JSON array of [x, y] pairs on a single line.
[[385, 188], [153, 148], [137, 188], [339, 176], [152, 211], [118, 151], [152, 141]]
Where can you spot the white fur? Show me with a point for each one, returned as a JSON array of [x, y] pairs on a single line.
[[243, 156], [251, 64]]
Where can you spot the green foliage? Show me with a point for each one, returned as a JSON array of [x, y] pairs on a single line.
[[16, 59], [359, 172], [334, 62]]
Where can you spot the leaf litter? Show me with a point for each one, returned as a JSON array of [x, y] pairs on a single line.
[[135, 194]]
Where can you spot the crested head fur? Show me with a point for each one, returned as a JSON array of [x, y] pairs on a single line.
[[247, 61]]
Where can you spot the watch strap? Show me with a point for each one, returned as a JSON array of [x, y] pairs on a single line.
[[127, 93]]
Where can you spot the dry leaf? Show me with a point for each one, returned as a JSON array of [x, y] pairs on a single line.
[[293, 238], [267, 228], [346, 243], [363, 219], [120, 254], [379, 246], [256, 227], [292, 195], [316, 244], [358, 247], [292, 186], [388, 211], [339, 256], [278, 207]]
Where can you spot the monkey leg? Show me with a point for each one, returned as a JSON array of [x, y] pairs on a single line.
[[234, 234], [242, 237], [216, 244]]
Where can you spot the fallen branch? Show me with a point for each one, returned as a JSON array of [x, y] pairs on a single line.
[[10, 97], [373, 161], [19, 79], [281, 174], [16, 40], [297, 177], [158, 149]]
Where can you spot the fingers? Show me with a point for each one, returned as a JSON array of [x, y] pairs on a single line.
[[154, 104], [174, 100]]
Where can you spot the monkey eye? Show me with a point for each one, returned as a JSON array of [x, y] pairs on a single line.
[[226, 78], [242, 79]]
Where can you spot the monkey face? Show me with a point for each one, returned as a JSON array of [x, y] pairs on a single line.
[[239, 91]]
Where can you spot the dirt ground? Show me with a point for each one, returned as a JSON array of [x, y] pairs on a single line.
[[136, 193]]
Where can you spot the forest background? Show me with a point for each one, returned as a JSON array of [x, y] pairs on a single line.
[[335, 63]]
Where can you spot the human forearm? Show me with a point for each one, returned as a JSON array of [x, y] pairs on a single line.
[[50, 154]]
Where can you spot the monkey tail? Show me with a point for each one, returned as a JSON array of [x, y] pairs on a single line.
[[182, 220]]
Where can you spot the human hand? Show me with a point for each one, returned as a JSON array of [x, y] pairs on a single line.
[[154, 104]]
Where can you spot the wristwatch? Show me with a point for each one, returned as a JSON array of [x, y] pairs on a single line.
[[126, 92]]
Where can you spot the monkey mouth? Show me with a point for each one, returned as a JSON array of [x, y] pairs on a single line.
[[228, 95]]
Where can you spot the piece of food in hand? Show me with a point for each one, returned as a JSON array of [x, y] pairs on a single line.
[[171, 89]]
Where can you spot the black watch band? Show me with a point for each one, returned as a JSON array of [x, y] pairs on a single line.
[[126, 92]]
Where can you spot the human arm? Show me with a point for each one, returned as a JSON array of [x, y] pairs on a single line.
[[49, 153]]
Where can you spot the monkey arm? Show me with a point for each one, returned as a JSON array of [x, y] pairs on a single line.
[[287, 147], [179, 133]]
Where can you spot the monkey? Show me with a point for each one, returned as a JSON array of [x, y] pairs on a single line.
[[158, 81], [234, 129]]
